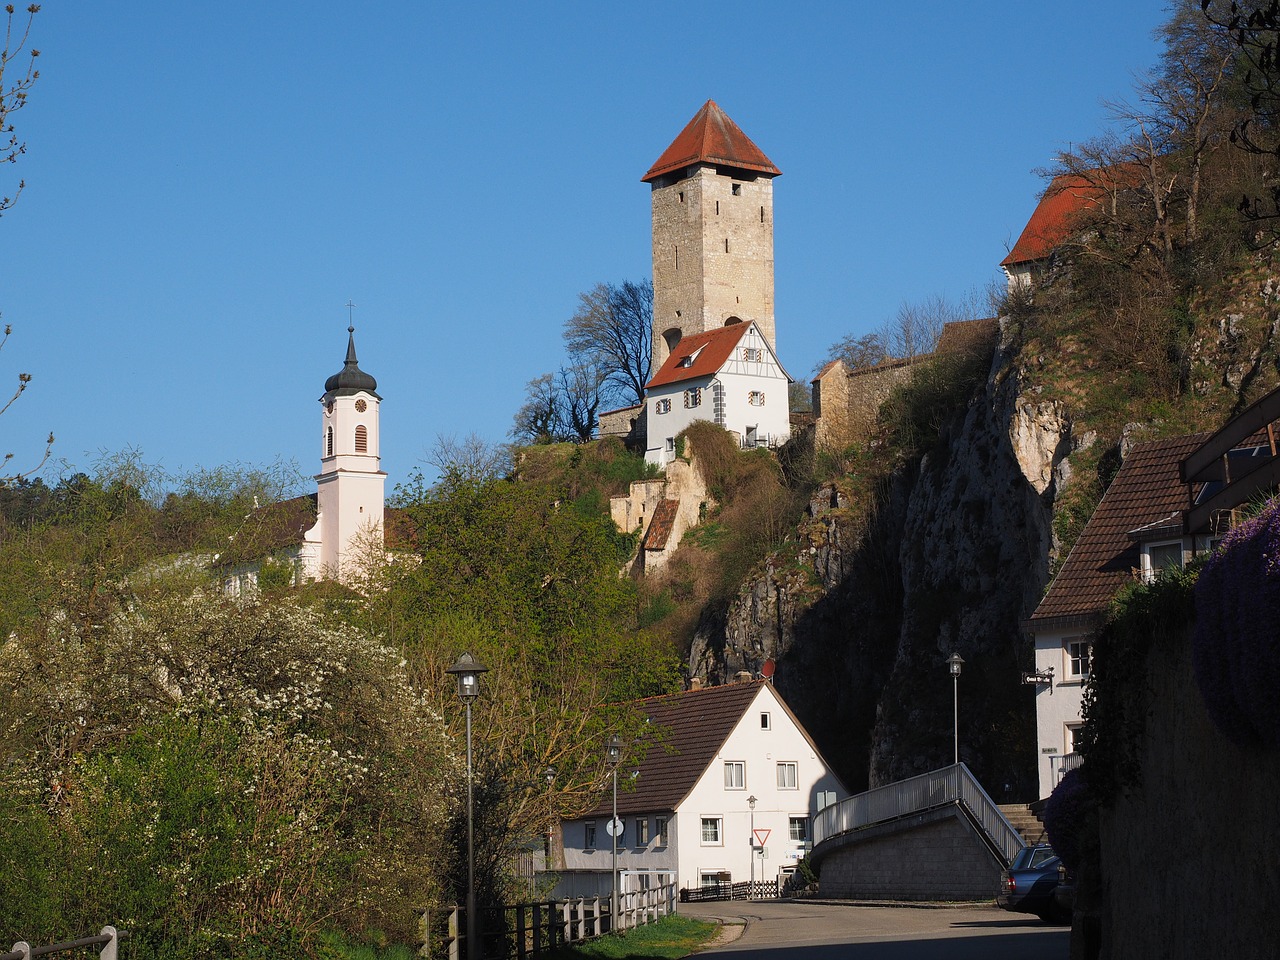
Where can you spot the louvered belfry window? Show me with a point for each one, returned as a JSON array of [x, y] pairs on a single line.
[[328, 442], [362, 439]]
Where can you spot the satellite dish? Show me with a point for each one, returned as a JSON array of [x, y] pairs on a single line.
[[767, 668]]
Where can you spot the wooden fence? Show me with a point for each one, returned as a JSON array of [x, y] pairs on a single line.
[[527, 929]]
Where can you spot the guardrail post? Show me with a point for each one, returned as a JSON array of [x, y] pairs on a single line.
[[110, 949], [454, 952]]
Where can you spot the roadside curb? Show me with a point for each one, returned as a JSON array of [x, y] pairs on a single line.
[[906, 904]]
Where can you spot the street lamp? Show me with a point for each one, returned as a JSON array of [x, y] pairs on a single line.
[[550, 777], [955, 662], [613, 753], [468, 670], [751, 842]]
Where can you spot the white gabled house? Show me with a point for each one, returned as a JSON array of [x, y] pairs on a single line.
[[729, 376], [685, 813]]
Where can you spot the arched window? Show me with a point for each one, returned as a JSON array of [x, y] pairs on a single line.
[[362, 439], [328, 441]]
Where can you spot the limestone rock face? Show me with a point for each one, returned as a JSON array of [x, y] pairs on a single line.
[[862, 616]]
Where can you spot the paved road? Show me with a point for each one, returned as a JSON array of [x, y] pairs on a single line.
[[826, 931]]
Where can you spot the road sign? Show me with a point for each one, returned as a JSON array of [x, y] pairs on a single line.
[[762, 836], [763, 852], [613, 827]]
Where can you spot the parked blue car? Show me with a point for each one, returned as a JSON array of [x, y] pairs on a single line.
[[1028, 885]]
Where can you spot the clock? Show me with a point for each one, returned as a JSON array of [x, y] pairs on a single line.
[[361, 406]]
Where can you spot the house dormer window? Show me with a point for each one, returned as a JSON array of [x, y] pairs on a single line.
[[1160, 556]]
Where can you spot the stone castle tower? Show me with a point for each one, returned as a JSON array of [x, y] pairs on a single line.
[[712, 193], [351, 484]]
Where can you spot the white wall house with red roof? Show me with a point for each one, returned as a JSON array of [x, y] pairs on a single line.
[[685, 804], [729, 376]]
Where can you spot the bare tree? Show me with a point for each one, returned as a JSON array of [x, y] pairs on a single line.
[[612, 331], [13, 91], [471, 459]]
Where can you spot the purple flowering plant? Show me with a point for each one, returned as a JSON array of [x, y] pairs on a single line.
[[1236, 644]]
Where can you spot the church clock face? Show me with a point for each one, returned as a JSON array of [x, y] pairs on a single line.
[[361, 406]]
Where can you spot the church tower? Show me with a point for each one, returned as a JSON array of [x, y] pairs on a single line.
[[712, 194], [351, 482]]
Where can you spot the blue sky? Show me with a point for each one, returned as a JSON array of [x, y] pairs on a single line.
[[209, 183]]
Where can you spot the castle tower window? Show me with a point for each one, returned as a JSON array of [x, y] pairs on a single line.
[[717, 208], [362, 439], [736, 189], [726, 244], [328, 442]]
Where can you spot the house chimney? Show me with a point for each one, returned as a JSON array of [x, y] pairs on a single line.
[[743, 676], [695, 683]]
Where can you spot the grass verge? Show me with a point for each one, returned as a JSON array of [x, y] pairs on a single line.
[[668, 939]]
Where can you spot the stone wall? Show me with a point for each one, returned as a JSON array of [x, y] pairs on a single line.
[[1191, 858], [936, 855]]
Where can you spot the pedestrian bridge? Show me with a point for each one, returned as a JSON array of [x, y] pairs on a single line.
[[937, 836]]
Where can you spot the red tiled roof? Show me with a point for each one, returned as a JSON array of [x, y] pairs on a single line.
[[1069, 196], [711, 137], [1146, 489], [692, 727], [661, 525], [716, 347]]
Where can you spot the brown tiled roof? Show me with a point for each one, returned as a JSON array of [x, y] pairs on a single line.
[[271, 528], [716, 347], [1146, 489], [968, 335], [711, 137], [661, 525], [691, 728]]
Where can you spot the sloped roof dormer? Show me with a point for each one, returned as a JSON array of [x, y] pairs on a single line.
[[704, 354]]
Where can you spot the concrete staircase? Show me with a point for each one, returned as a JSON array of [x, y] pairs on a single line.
[[1025, 822]]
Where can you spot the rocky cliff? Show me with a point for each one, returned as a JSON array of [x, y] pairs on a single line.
[[952, 553]]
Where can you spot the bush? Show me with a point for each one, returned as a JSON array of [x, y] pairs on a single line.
[[1236, 645], [1068, 818]]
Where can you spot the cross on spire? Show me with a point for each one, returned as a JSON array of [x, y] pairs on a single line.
[[351, 323]]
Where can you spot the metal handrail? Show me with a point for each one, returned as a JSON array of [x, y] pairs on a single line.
[[953, 784], [108, 939]]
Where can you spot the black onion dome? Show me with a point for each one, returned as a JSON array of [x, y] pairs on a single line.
[[351, 379]]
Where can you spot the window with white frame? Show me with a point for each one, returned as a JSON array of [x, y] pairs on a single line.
[[786, 775], [590, 840], [693, 397], [799, 828], [751, 354], [1074, 737], [756, 398], [1079, 657], [1163, 555], [712, 832], [766, 722], [660, 830], [735, 775], [642, 831], [662, 406]]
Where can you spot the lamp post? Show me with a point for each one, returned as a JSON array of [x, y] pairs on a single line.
[[550, 777], [613, 754], [468, 670], [955, 662], [751, 842]]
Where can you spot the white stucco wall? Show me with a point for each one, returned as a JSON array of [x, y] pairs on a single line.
[[759, 751], [1059, 711]]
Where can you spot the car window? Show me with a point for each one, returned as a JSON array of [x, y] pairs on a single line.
[[1040, 856]]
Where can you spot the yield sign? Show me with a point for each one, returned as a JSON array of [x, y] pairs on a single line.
[[762, 836]]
